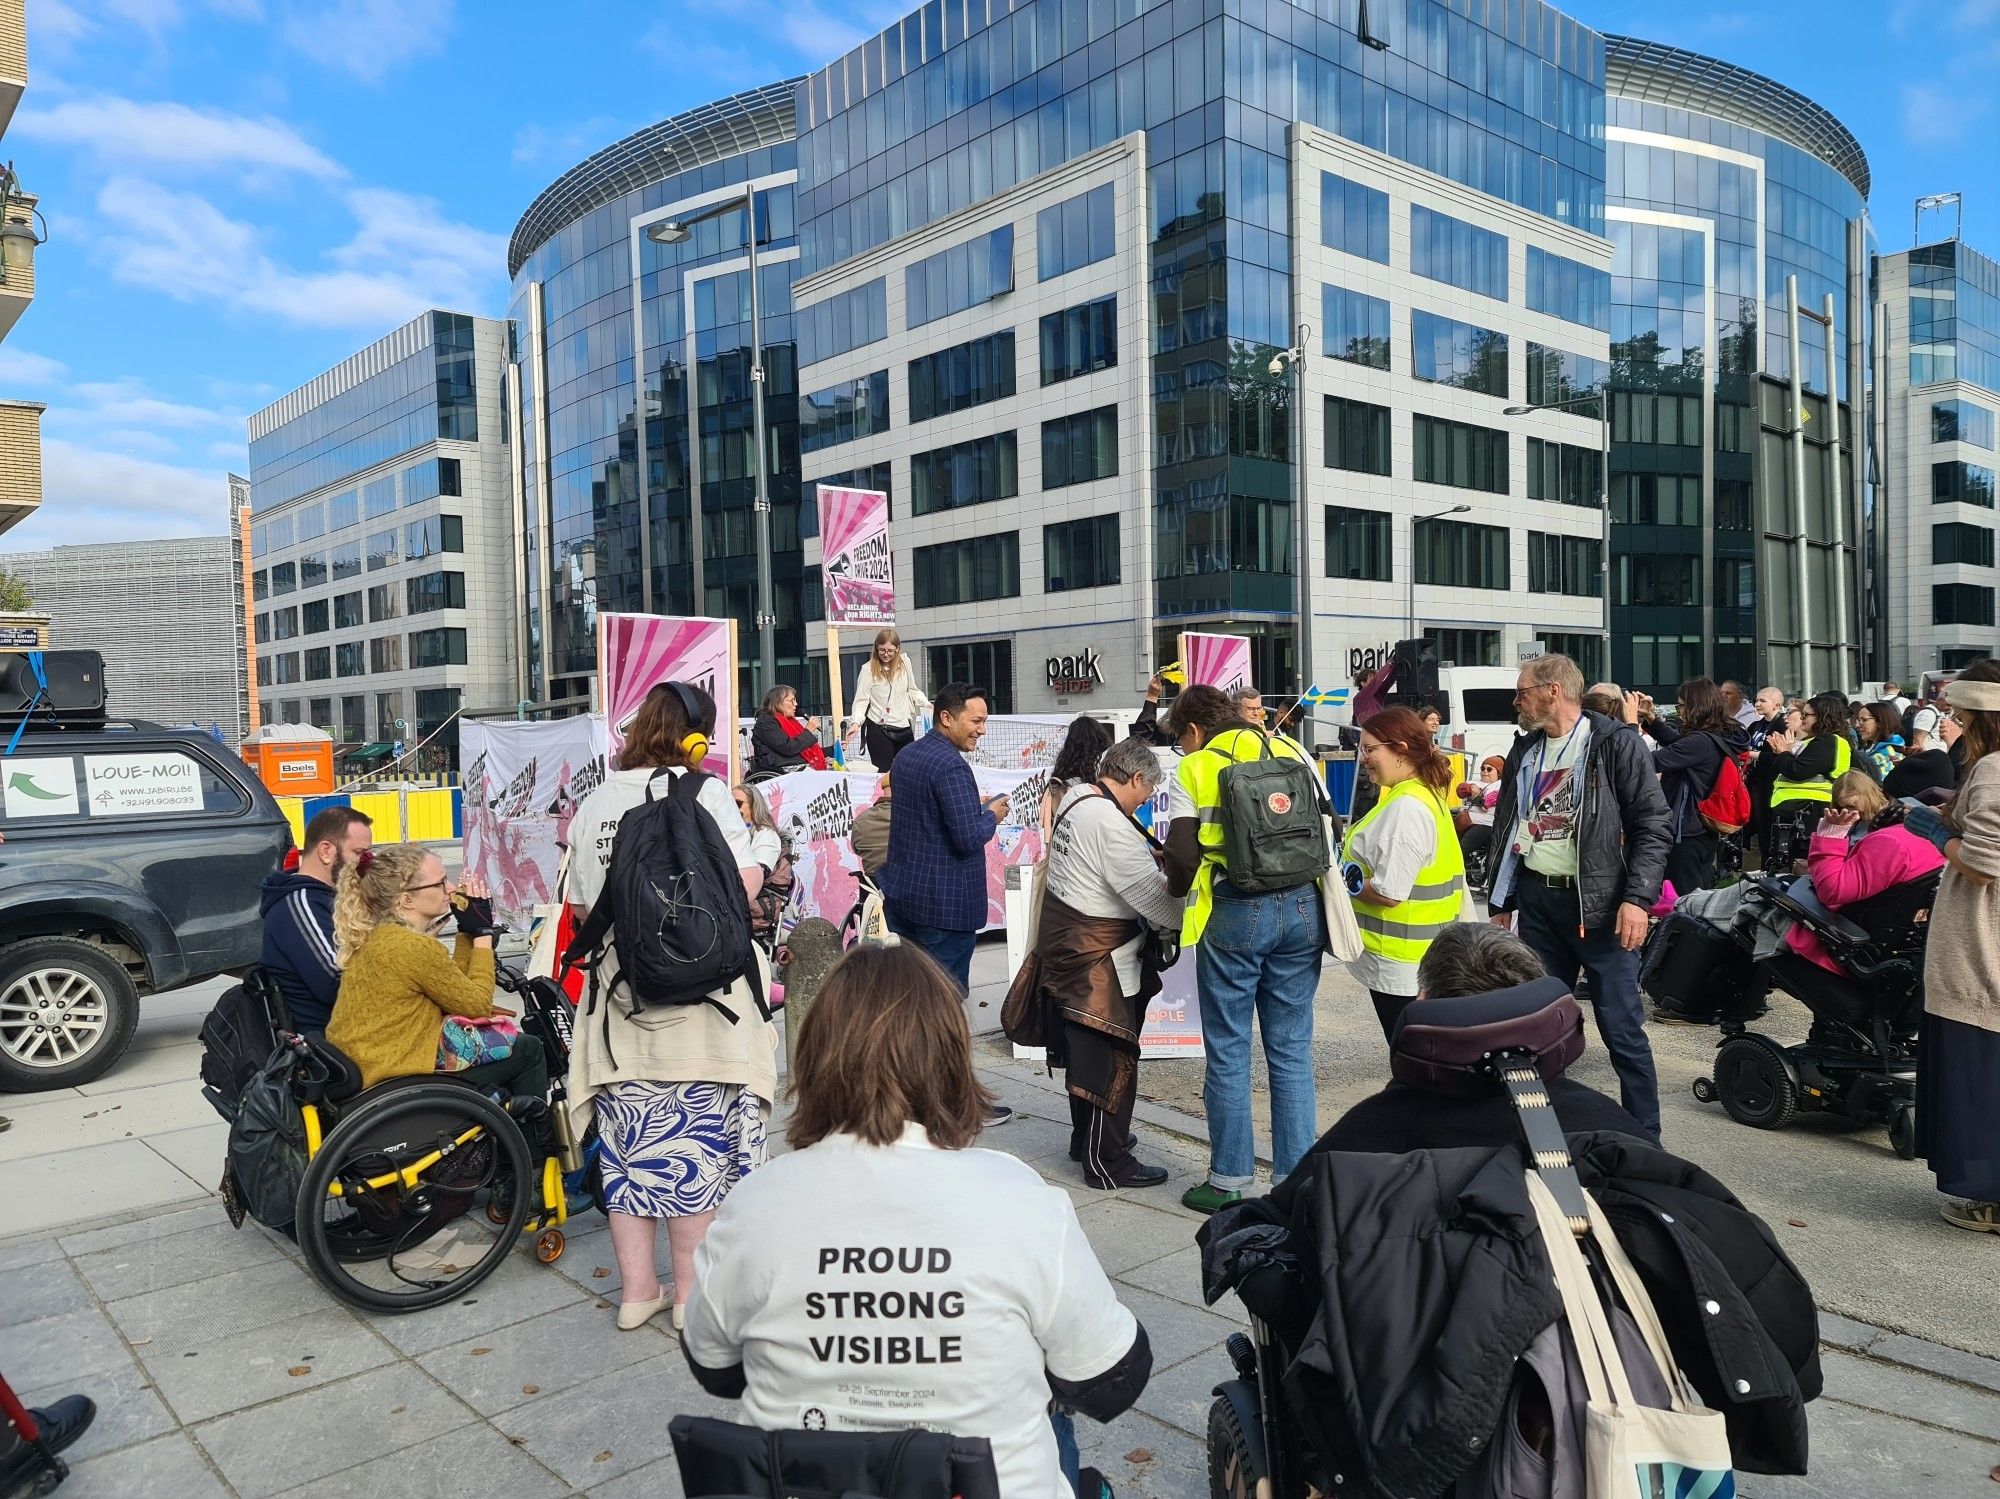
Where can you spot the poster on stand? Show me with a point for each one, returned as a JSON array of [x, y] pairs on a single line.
[[1216, 660], [637, 652], [522, 783], [858, 571]]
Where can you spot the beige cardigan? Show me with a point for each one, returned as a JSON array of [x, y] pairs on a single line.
[[1962, 950]]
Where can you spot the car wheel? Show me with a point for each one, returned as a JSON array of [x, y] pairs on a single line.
[[67, 1013]]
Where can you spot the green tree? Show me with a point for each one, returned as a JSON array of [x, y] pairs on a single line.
[[14, 594]]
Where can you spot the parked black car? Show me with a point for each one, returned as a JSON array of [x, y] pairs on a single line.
[[131, 865]]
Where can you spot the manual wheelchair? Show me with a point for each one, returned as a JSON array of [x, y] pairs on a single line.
[[415, 1190]]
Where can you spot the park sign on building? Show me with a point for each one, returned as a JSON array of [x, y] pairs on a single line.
[[1083, 672]]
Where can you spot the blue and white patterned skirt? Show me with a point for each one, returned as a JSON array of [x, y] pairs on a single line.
[[671, 1150]]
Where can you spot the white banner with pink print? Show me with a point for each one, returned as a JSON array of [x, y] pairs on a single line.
[[522, 782], [856, 566], [637, 652]]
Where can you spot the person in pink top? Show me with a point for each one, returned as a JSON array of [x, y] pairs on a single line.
[[1847, 870]]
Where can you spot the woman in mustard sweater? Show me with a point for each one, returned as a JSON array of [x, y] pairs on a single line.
[[397, 985]]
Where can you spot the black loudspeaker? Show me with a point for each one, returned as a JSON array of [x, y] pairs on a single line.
[[74, 695], [1416, 663]]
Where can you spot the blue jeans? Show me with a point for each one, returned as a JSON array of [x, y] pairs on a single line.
[[1259, 955], [1066, 1450], [1548, 924], [953, 950]]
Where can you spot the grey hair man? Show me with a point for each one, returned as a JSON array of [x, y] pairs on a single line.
[[1105, 889], [1249, 705], [1583, 834], [1471, 959], [1736, 703]]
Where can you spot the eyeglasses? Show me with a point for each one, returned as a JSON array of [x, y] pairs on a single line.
[[443, 884], [1521, 692]]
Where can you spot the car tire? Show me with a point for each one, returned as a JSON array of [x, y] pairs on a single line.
[[100, 1005]]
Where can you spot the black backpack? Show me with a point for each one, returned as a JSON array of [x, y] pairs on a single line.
[[1274, 834], [674, 904], [238, 1037], [267, 1146]]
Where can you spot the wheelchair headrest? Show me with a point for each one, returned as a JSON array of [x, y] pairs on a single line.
[[1446, 1045]]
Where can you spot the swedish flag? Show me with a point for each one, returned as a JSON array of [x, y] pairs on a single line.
[[1317, 697]]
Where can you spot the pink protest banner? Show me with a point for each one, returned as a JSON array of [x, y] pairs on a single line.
[[637, 652], [1216, 660], [859, 573]]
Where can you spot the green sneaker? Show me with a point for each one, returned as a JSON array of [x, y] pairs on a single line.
[[1206, 1197]]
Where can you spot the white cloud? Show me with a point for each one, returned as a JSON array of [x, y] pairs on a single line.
[[544, 145], [124, 131], [57, 24], [92, 495], [128, 402], [21, 370], [1938, 115], [404, 256], [368, 38]]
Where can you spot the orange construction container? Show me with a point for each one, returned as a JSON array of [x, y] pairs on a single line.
[[291, 766]]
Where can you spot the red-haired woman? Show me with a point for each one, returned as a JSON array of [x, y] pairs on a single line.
[[1402, 861]]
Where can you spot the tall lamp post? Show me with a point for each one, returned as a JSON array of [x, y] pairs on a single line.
[[679, 231], [1439, 515], [1602, 401], [1294, 359]]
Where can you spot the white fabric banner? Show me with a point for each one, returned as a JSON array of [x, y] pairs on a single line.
[[522, 782]]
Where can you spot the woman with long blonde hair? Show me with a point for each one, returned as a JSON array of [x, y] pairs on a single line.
[[887, 700]]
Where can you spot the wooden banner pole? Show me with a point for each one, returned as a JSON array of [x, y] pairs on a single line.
[[836, 689]]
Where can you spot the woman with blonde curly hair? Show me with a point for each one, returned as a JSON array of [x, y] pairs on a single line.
[[398, 986]]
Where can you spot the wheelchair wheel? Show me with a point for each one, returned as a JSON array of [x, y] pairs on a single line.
[[1903, 1133], [1753, 1076], [384, 1214], [1236, 1467]]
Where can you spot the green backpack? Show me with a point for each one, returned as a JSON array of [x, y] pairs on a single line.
[[1273, 831]]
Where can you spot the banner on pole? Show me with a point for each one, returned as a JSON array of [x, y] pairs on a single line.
[[1217, 660], [522, 783], [857, 569], [637, 652]]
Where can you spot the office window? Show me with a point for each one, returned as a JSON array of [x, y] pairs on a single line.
[[852, 320], [319, 664], [1358, 544], [263, 671], [983, 663], [1667, 420], [435, 706], [1569, 289], [353, 718], [965, 572], [966, 473], [1587, 651], [432, 535], [1459, 454], [1966, 483], [1465, 647], [1657, 499], [260, 584], [382, 550], [437, 648], [1961, 604], [1735, 583], [1447, 352], [1080, 554], [1076, 232], [313, 617], [427, 480], [278, 534], [385, 601], [284, 578], [385, 653], [1357, 436], [347, 610], [378, 497], [840, 413], [964, 276], [285, 668], [434, 591], [312, 522], [1459, 254], [1566, 474], [1958, 542], [1354, 218], [1656, 580], [961, 377], [1461, 554], [285, 623], [1962, 421], [312, 570], [342, 511], [345, 560], [1565, 564], [1077, 449], [1080, 340], [1357, 327], [1557, 377], [261, 629]]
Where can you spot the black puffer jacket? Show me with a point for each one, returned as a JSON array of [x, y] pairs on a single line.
[[1422, 1278], [1624, 830]]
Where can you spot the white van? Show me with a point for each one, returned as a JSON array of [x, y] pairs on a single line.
[[1477, 708]]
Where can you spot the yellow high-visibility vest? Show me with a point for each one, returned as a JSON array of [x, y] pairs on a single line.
[[1815, 788], [1403, 932], [1201, 777]]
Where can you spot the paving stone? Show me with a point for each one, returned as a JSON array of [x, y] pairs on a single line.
[[1176, 1276], [1181, 1395], [1844, 1332], [581, 1262], [286, 1443], [1175, 1465], [1860, 1452], [1127, 1234], [660, 1480], [154, 1264], [1902, 1392], [623, 1413], [63, 1346], [474, 1459], [138, 1230], [34, 1292], [210, 1378], [521, 1288], [168, 1467], [1175, 1330], [553, 1352], [206, 1310], [1952, 1363], [91, 1183], [129, 1410], [24, 1252]]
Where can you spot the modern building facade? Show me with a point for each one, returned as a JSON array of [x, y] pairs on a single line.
[[249, 708], [21, 231], [383, 546], [1142, 311], [163, 613], [1937, 389]]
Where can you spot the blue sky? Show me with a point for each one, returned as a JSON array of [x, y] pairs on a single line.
[[243, 192]]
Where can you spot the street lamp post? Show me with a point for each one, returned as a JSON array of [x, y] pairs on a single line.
[[677, 231], [1602, 400], [1294, 358], [1439, 515]]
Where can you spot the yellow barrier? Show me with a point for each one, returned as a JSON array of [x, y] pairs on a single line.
[[295, 813], [426, 814], [384, 809]]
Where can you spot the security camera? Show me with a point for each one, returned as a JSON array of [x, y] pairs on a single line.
[[1277, 364]]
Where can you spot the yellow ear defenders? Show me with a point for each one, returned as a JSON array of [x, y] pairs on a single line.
[[694, 744]]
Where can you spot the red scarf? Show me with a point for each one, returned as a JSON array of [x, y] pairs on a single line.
[[812, 754]]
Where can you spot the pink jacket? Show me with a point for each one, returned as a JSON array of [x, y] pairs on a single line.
[[1844, 873]]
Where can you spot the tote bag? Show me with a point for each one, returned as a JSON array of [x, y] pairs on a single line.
[[1631, 1451], [1343, 932]]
